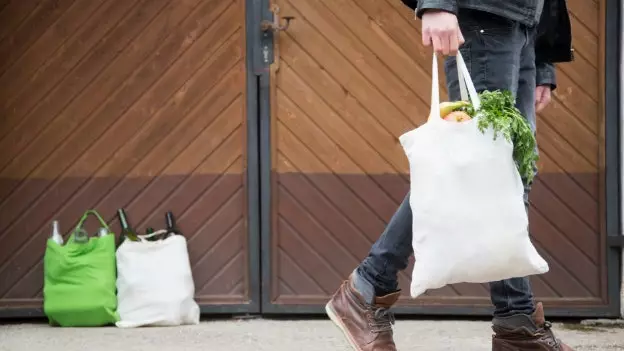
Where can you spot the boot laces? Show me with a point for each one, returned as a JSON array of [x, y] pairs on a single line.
[[549, 336], [380, 320]]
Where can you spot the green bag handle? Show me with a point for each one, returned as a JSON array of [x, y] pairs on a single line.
[[84, 218]]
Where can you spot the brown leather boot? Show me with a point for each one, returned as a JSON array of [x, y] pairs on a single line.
[[524, 333], [367, 325]]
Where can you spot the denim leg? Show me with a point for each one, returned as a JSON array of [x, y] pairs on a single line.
[[514, 296], [499, 54], [390, 253]]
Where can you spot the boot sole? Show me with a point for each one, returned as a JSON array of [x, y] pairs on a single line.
[[338, 323]]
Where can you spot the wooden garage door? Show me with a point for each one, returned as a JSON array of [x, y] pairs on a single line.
[[124, 103], [351, 77]]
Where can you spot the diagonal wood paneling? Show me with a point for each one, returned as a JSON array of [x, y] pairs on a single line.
[[136, 104], [351, 78]]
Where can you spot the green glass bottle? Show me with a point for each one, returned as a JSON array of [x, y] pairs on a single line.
[[172, 229], [149, 231], [126, 230]]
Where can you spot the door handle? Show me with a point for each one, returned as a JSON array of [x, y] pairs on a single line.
[[275, 25]]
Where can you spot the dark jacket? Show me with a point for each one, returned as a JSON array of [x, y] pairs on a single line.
[[554, 39]]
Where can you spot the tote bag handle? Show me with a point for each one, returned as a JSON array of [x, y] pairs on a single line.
[[79, 235], [143, 238], [466, 87]]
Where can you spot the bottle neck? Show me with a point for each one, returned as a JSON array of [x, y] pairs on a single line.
[[170, 221], [55, 228], [123, 220]]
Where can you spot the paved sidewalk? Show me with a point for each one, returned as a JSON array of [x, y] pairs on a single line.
[[271, 335]]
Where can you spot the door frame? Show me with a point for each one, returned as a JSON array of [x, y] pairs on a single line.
[[252, 175], [611, 185], [263, 60], [254, 90], [613, 149]]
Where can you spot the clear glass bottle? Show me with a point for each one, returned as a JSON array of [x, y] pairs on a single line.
[[56, 233]]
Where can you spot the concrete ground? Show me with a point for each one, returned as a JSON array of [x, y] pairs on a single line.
[[280, 335]]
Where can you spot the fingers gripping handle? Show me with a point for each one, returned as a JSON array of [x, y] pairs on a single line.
[[466, 87]]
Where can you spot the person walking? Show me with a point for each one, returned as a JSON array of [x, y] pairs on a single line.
[[507, 45]]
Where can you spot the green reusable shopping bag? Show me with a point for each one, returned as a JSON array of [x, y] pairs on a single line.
[[79, 279]]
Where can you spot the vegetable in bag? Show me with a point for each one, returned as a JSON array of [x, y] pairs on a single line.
[[498, 111]]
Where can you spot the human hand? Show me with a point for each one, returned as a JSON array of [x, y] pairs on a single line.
[[542, 97], [442, 29]]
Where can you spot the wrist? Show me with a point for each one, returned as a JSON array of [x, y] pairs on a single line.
[[550, 86], [427, 11], [546, 75], [436, 5]]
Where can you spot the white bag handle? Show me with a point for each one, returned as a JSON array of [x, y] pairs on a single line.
[[466, 87], [143, 238]]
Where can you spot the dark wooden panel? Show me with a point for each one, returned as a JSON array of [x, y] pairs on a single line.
[[36, 21], [134, 104], [352, 77]]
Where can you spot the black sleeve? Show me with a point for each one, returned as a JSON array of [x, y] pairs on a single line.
[[444, 5], [412, 4], [546, 75]]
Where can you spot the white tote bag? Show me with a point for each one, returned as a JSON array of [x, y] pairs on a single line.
[[154, 283], [469, 220]]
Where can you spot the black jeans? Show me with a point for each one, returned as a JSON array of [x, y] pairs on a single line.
[[500, 54]]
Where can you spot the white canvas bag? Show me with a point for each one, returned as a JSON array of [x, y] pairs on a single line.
[[154, 283], [469, 219]]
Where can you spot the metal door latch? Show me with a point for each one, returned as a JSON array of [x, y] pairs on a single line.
[[275, 25]]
